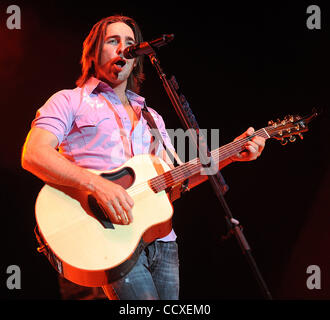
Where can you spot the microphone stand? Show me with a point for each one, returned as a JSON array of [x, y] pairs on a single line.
[[218, 184]]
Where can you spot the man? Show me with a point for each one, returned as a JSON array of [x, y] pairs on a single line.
[[78, 129]]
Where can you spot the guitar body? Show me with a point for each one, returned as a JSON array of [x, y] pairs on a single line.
[[82, 244]]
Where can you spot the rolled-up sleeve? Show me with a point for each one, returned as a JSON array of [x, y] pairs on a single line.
[[56, 115]]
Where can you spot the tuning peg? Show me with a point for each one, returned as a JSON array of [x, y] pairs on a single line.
[[272, 123], [284, 141], [292, 138], [288, 118]]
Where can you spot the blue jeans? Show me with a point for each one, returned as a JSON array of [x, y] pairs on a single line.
[[155, 275]]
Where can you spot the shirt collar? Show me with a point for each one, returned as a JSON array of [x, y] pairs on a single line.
[[93, 83]]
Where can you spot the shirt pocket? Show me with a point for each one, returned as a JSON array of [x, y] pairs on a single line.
[[105, 123], [95, 131], [87, 120]]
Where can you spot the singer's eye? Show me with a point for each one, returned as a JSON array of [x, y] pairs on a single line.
[[112, 41], [129, 41]]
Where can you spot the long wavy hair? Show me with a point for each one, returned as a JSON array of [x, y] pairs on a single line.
[[92, 48]]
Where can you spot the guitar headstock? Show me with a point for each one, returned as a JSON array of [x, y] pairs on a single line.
[[287, 129]]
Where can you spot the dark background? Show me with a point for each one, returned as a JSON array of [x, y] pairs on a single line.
[[239, 66]]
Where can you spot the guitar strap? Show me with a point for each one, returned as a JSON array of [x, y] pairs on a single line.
[[155, 132], [157, 135]]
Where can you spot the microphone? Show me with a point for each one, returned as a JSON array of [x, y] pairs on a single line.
[[147, 47]]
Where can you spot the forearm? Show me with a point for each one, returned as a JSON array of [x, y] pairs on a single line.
[[41, 158], [52, 167]]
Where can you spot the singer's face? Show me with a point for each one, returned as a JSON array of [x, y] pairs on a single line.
[[113, 67]]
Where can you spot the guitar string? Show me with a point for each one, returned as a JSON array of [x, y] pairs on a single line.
[[164, 179], [188, 167], [179, 173]]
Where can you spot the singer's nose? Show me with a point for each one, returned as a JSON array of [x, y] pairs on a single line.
[[119, 48]]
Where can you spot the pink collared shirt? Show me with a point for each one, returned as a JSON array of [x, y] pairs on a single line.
[[93, 128]]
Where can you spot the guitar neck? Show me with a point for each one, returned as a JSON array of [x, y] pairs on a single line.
[[193, 167]]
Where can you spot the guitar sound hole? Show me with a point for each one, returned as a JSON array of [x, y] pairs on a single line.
[[124, 177]]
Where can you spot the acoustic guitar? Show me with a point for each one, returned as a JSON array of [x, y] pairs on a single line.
[[82, 243]]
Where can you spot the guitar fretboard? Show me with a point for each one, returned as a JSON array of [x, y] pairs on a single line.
[[193, 167]]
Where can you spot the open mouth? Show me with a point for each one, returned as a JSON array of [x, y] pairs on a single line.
[[120, 63]]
